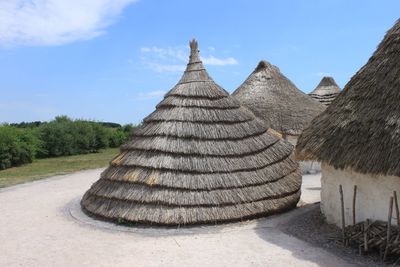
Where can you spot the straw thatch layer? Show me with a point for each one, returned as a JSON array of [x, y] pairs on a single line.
[[218, 103], [274, 98], [177, 197], [200, 157], [202, 130], [202, 181], [172, 215], [202, 147], [326, 91], [361, 128], [199, 114]]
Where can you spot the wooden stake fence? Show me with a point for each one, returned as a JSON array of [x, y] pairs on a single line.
[[373, 235]]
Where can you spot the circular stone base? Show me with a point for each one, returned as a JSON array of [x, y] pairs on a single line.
[[74, 211]]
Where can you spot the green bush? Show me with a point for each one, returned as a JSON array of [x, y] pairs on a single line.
[[17, 146], [102, 136], [22, 142], [120, 135], [57, 138], [116, 137], [64, 136], [84, 136]]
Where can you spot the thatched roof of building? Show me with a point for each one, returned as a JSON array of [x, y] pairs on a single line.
[[200, 157], [361, 128], [326, 91], [274, 98]]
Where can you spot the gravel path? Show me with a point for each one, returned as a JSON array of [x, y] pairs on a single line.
[[41, 225]]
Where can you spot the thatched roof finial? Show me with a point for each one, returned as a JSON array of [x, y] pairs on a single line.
[[194, 51], [194, 48]]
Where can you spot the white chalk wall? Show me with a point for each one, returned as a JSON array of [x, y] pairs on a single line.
[[310, 167], [373, 195]]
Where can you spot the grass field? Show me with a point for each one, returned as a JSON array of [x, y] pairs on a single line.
[[43, 168]]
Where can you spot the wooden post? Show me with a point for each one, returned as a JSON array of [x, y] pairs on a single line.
[[342, 210], [354, 204], [389, 223], [366, 226], [396, 206]]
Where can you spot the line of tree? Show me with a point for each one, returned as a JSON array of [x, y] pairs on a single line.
[[23, 142]]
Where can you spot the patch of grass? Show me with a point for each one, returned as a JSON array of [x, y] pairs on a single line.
[[43, 168]]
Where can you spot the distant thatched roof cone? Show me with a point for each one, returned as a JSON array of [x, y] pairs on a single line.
[[275, 99], [361, 128], [198, 158], [326, 91]]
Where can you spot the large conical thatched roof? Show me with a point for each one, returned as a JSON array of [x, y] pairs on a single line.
[[361, 128], [198, 158], [275, 99], [326, 91]]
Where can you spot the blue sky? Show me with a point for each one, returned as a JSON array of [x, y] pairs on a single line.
[[112, 60]]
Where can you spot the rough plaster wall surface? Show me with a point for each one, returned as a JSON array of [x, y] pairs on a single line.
[[373, 195], [310, 167]]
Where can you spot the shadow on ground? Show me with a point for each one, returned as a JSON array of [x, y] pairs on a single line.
[[310, 227]]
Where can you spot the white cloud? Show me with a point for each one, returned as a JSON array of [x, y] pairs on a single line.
[[211, 60], [175, 54], [175, 59], [55, 22], [151, 94], [159, 67]]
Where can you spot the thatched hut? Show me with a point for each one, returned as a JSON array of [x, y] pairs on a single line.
[[200, 157], [357, 138], [326, 91], [275, 99]]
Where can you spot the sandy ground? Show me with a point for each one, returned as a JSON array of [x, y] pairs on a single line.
[[41, 225]]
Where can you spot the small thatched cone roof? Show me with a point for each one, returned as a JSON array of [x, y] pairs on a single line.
[[361, 128], [198, 158], [274, 98], [326, 91]]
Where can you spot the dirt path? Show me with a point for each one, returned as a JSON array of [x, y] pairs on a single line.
[[41, 225]]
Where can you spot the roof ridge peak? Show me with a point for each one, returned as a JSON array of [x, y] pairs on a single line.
[[264, 65], [327, 81]]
